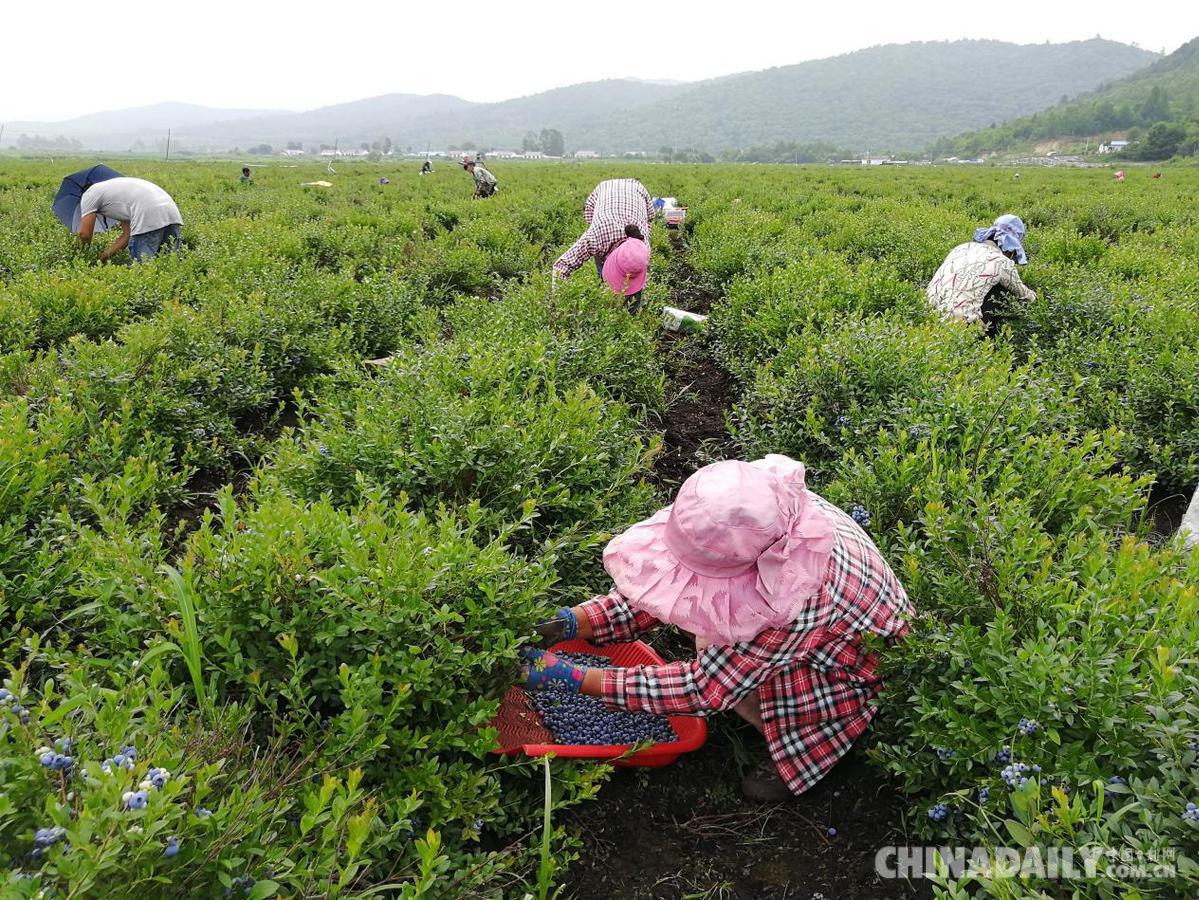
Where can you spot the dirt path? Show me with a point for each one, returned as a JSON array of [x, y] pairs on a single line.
[[685, 831], [700, 391]]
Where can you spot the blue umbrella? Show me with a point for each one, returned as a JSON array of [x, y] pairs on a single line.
[[70, 192]]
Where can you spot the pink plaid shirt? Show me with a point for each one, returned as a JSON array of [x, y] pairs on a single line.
[[813, 678], [612, 205]]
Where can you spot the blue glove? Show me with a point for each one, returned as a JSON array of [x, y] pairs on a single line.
[[562, 627], [545, 670]]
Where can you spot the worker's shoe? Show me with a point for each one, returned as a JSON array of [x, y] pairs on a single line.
[[763, 784]]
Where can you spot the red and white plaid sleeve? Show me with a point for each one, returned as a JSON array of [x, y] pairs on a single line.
[[580, 251], [717, 680], [613, 621]]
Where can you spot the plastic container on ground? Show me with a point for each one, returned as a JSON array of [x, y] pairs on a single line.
[[692, 731], [675, 319]]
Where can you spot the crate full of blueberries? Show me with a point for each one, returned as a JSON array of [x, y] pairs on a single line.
[[575, 726]]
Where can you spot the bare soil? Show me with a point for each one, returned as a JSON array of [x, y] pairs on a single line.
[[684, 831]]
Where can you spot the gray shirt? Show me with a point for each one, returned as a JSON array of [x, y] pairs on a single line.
[[143, 204]]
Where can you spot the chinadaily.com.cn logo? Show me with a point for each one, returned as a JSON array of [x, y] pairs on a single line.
[[1060, 863]]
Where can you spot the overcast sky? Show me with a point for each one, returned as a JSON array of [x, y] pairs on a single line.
[[301, 55]]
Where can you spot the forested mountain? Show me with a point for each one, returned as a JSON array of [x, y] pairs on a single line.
[[890, 97], [1160, 103]]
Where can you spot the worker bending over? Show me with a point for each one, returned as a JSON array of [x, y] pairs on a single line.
[[619, 210], [149, 218]]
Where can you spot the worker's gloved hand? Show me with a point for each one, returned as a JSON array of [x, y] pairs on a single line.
[[545, 669], [562, 627]]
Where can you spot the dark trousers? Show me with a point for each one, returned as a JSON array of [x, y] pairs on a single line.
[[991, 305]]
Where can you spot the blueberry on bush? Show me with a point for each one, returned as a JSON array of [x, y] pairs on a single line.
[[939, 813], [1018, 774], [861, 515], [135, 799]]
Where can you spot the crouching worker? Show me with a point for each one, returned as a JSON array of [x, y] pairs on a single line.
[[149, 218], [777, 585], [974, 276]]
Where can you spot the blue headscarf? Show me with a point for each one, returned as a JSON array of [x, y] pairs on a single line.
[[1008, 232]]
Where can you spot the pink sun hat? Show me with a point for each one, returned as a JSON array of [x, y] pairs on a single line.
[[627, 267], [742, 549]]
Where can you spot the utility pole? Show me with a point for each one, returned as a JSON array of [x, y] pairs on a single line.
[[168, 144], [1, 134]]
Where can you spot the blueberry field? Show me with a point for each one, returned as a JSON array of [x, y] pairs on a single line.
[[259, 598]]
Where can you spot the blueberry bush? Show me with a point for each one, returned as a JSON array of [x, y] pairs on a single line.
[[1045, 694], [259, 599]]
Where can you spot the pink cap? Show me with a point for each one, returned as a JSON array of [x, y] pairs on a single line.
[[743, 548], [627, 267]]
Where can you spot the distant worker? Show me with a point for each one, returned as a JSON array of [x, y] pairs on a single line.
[[974, 275], [426, 168], [1016, 177], [149, 218], [485, 184], [246, 178], [618, 212]]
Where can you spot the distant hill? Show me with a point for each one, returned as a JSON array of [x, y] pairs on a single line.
[[360, 120], [154, 118], [890, 97], [571, 110], [900, 96], [1165, 93]]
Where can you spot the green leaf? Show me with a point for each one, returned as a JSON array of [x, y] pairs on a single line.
[[1019, 832], [264, 889]]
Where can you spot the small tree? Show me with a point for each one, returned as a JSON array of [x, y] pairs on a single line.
[[1162, 141], [552, 142]]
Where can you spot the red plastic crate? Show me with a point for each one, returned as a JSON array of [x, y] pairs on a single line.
[[692, 731]]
